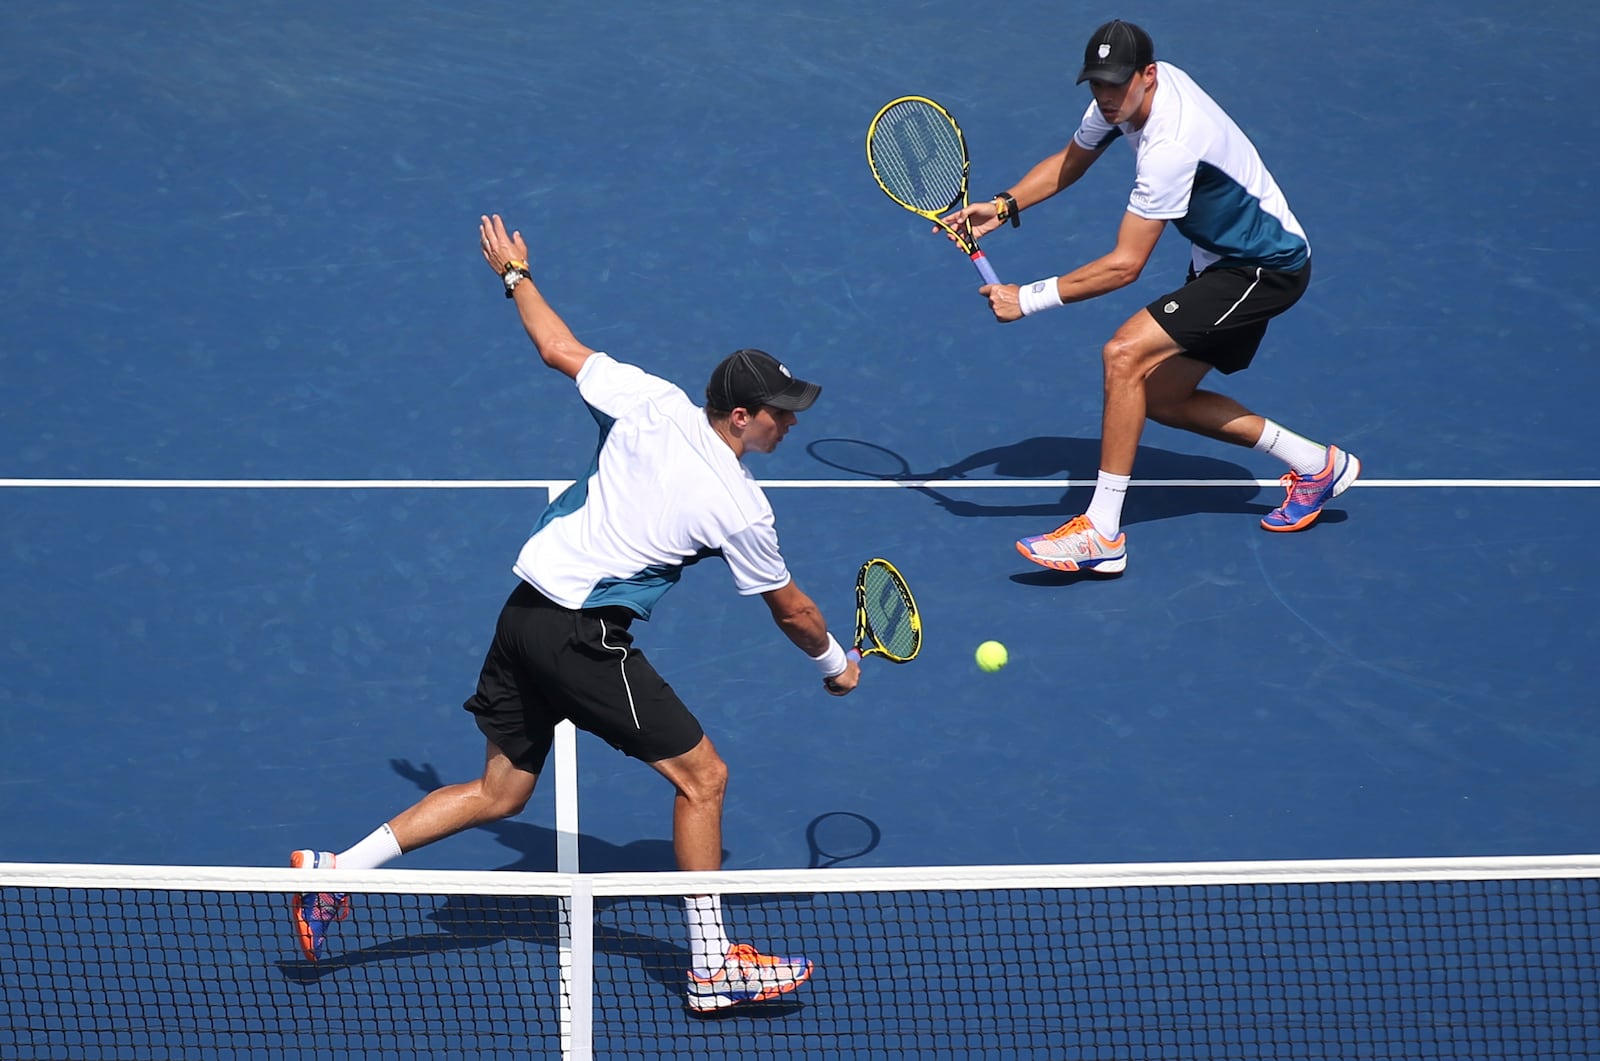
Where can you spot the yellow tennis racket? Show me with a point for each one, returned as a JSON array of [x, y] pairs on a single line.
[[887, 621], [919, 158]]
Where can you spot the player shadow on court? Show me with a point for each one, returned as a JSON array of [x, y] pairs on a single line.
[[466, 922], [1048, 456], [1045, 457]]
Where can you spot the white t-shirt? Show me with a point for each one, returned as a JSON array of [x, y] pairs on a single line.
[[1196, 168], [663, 492]]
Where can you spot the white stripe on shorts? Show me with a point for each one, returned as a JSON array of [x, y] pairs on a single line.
[[1242, 297], [622, 666]]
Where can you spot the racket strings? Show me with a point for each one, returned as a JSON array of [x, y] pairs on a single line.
[[919, 156]]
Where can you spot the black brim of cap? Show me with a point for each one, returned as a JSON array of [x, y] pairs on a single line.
[[1111, 75], [796, 397]]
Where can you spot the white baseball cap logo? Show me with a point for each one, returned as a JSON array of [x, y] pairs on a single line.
[[1105, 50]]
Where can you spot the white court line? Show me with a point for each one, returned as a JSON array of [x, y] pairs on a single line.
[[770, 484]]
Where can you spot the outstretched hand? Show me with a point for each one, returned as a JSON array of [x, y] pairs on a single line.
[[500, 248]]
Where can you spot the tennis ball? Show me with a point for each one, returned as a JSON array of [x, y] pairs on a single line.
[[991, 656]]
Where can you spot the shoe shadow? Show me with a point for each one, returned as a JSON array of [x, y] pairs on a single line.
[[470, 922], [1055, 579], [1045, 457]]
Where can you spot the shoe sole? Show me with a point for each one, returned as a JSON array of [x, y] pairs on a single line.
[[308, 945], [303, 859], [1104, 567], [1352, 471]]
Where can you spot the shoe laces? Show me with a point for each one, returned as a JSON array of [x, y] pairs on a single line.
[[1071, 527], [744, 954], [1301, 488], [752, 961]]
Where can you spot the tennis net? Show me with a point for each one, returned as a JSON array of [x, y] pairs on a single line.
[[1432, 958]]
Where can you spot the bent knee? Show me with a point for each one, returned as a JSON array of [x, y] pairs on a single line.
[[505, 806], [707, 781], [503, 801], [1124, 359]]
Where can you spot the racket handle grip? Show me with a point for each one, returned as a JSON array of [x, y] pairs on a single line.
[[984, 268], [853, 656]]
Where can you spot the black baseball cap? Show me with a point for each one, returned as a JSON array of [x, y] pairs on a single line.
[[1116, 52], [751, 378]]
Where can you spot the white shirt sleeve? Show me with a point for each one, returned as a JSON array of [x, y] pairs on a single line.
[[614, 387], [1094, 132], [753, 558], [1163, 182]]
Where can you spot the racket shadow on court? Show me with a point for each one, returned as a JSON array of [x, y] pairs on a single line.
[[840, 836], [1046, 457]]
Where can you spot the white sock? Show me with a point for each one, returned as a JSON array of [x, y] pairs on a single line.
[[379, 847], [1303, 455], [1105, 510], [708, 943]]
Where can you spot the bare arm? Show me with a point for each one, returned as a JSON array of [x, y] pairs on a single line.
[[1054, 174], [1136, 241], [557, 346], [800, 620]]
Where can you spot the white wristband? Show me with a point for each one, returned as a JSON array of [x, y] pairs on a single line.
[[1039, 295], [832, 662]]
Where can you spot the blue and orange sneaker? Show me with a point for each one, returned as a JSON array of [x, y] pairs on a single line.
[[746, 976], [1308, 493], [313, 912], [1077, 546]]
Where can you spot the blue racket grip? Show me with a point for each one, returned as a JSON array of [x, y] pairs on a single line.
[[984, 268]]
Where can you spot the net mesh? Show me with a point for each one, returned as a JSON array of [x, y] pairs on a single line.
[[133, 972], [1050, 962]]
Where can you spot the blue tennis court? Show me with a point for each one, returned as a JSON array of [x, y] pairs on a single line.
[[271, 438]]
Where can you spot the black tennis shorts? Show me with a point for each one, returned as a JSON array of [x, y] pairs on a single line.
[[549, 663], [1220, 316]]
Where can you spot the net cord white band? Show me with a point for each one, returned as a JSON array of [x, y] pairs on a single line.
[[856, 879]]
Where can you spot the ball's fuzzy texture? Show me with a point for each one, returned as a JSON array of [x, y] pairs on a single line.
[[991, 656]]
